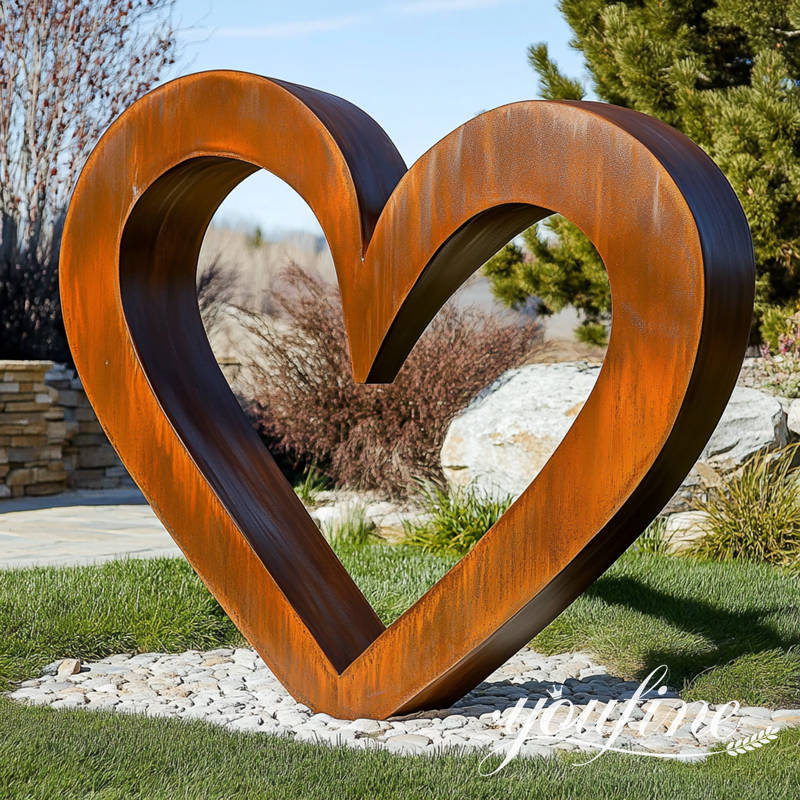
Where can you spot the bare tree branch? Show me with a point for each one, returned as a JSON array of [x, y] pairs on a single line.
[[67, 69]]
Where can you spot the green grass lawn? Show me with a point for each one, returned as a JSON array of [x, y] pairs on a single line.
[[735, 625], [134, 605], [71, 754], [732, 629], [729, 622]]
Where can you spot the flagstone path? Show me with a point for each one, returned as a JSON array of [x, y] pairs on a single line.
[[80, 527]]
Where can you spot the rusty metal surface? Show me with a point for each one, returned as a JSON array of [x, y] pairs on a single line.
[[678, 252]]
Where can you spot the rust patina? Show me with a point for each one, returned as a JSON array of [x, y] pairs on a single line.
[[680, 261]]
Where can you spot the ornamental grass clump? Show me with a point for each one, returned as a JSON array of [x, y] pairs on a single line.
[[308, 409], [654, 539], [354, 530], [756, 516], [310, 485], [453, 520]]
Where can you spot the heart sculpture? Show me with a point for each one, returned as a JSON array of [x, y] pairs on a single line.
[[680, 262]]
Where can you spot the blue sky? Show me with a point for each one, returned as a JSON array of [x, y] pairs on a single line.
[[419, 67]]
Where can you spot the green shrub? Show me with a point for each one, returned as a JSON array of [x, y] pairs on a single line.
[[592, 333], [756, 516], [454, 520], [776, 324], [786, 381]]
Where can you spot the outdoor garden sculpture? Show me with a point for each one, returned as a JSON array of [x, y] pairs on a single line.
[[680, 261]]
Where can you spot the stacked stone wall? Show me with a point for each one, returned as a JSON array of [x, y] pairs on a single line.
[[32, 431], [50, 439]]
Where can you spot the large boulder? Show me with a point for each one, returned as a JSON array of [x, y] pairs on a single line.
[[500, 442], [752, 421], [507, 433]]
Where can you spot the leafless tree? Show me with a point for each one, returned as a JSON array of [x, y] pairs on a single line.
[[67, 69]]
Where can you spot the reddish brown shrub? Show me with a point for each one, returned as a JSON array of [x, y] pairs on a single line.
[[306, 405]]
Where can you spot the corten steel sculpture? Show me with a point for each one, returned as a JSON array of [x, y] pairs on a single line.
[[679, 257]]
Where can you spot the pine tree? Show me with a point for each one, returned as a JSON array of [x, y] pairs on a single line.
[[726, 73]]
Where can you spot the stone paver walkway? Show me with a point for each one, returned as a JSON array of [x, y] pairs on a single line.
[[79, 528]]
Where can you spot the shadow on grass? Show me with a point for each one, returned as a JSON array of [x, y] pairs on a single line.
[[726, 634]]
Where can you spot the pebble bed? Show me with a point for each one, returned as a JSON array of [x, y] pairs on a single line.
[[235, 689]]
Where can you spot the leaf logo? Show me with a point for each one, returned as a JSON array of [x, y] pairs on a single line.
[[752, 742]]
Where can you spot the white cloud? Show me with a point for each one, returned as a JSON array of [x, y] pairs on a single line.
[[298, 28], [289, 30], [439, 6]]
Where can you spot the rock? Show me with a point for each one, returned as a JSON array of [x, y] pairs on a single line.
[[41, 700], [144, 658], [530, 750], [106, 687], [752, 421], [213, 661], [392, 526], [787, 716], [71, 701], [589, 672], [290, 717], [407, 743], [501, 441], [105, 701], [312, 736], [793, 417], [29, 694], [681, 530], [69, 666], [475, 710], [433, 733], [755, 711], [107, 669], [334, 508], [560, 675], [468, 726], [193, 712], [659, 744], [366, 726], [245, 724], [51, 669], [139, 695]]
